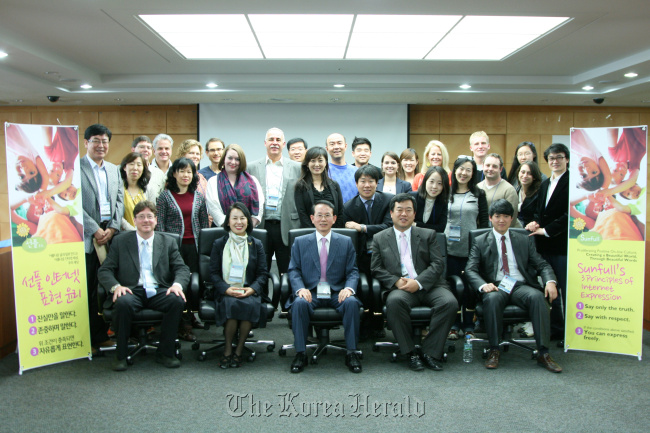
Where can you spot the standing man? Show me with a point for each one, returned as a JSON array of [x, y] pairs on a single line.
[[323, 273], [274, 173], [162, 148], [103, 205], [503, 266], [297, 148], [406, 261], [143, 145], [496, 187], [144, 270], [479, 144], [339, 170], [550, 227], [361, 152], [214, 151]]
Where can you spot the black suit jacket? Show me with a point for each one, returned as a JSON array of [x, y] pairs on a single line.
[[484, 260], [122, 265], [528, 209], [553, 217], [437, 220], [304, 198], [400, 186], [355, 210], [257, 275]]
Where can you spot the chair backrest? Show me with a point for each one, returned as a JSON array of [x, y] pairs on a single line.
[[441, 238], [293, 234]]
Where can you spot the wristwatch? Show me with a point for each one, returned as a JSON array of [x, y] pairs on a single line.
[[115, 287]]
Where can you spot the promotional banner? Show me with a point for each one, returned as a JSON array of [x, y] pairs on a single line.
[[44, 185], [607, 217]]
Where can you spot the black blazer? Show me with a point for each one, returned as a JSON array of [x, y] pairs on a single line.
[[355, 210], [528, 209], [437, 220], [257, 276], [400, 186], [304, 199], [553, 217]]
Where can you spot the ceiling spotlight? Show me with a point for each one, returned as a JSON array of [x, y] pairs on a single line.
[[465, 86], [211, 85], [3, 54], [86, 86], [588, 87], [339, 85], [631, 75], [118, 99]]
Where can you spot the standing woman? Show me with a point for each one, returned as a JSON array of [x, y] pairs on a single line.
[[234, 184], [192, 150], [390, 183], [410, 168], [525, 151], [135, 175], [436, 155], [468, 210], [530, 179], [432, 200], [314, 184], [239, 275]]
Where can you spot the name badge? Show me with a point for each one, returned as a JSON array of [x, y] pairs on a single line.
[[507, 284], [323, 290], [272, 202], [236, 273], [454, 233], [105, 209]]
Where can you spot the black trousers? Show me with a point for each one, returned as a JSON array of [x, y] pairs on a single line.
[[98, 327], [282, 252]]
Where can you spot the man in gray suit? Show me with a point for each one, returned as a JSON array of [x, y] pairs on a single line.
[[503, 267], [102, 196], [145, 269], [406, 261], [274, 173]]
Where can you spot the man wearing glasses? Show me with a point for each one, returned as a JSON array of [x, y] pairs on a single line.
[[550, 227], [214, 151], [102, 197]]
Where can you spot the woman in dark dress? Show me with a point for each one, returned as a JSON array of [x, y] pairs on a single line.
[[530, 179], [315, 184], [239, 275], [432, 198]]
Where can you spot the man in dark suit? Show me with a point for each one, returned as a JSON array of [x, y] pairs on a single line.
[[406, 261], [102, 194], [323, 272], [503, 267], [274, 173], [550, 227], [144, 270]]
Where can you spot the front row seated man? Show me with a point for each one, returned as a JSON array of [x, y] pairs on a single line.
[[322, 272], [503, 267], [145, 270], [406, 260]]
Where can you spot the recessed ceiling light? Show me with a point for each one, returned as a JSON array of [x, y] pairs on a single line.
[[51, 73], [465, 86], [227, 99], [18, 100], [211, 85], [118, 99], [3, 54], [86, 86], [587, 87], [631, 75], [339, 85]]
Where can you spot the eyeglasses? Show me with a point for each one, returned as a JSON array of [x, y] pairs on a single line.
[[143, 217], [320, 216], [214, 150], [555, 158], [525, 154], [97, 141]]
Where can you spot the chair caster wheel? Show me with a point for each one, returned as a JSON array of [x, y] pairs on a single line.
[[282, 352], [250, 358], [270, 348], [196, 345], [178, 344], [451, 348], [314, 361], [484, 354], [129, 360], [393, 357], [360, 353], [375, 348], [201, 357], [534, 355], [506, 347], [179, 355], [444, 357]]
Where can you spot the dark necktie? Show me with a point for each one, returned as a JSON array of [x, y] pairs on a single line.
[[504, 256], [368, 209]]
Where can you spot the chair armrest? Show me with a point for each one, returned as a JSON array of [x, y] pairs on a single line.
[[102, 295], [457, 287], [194, 292], [275, 285], [364, 290], [376, 295], [284, 289]]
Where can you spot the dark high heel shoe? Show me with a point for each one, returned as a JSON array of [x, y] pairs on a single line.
[[236, 361], [225, 361]]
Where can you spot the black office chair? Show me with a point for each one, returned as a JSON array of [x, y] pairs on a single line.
[[143, 320], [511, 315], [324, 318], [202, 296], [420, 316]]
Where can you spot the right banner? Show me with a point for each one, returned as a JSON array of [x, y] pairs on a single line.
[[606, 257]]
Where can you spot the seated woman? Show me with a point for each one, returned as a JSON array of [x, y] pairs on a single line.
[[390, 183], [529, 180], [315, 184], [239, 275], [234, 184], [135, 176], [432, 200]]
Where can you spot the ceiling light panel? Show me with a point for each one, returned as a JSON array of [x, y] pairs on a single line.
[[302, 36]]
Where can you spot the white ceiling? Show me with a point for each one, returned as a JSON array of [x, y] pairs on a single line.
[[101, 42]]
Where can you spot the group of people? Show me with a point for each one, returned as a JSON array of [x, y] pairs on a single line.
[[396, 210]]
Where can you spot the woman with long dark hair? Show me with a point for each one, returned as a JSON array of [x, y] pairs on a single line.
[[530, 179], [525, 151], [432, 200]]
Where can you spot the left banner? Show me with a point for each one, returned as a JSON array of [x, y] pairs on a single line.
[[44, 185]]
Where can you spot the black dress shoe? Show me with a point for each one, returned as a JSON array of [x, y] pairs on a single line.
[[353, 362], [431, 363], [167, 361], [299, 362], [415, 363], [119, 364]]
